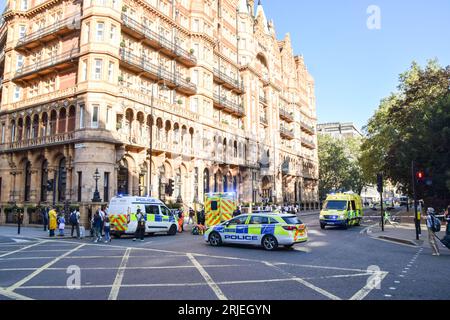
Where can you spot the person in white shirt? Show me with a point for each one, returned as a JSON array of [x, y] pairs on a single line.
[[431, 234]]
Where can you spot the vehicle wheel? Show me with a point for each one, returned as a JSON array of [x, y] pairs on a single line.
[[214, 239], [270, 243], [322, 226], [358, 223], [172, 231]]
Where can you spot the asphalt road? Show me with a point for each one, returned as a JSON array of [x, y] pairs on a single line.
[[334, 264]]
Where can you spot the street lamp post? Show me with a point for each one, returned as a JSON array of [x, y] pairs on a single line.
[[96, 177]]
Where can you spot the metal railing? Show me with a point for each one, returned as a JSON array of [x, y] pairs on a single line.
[[39, 141], [308, 142], [286, 114], [307, 126], [263, 99], [287, 133], [42, 64], [230, 105], [70, 22], [159, 38], [144, 64], [234, 82]]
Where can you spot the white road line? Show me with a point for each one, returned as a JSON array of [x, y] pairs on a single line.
[[207, 278], [304, 282], [41, 269], [119, 276], [13, 295], [361, 294], [318, 267], [21, 249]]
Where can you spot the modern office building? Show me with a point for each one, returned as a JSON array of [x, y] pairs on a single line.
[[134, 96], [339, 130]]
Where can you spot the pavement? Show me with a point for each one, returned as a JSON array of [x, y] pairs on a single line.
[[335, 264]]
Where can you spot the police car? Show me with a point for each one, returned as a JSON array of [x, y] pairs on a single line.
[[262, 229]]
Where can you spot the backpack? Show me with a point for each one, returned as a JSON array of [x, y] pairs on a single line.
[[436, 225], [73, 218]]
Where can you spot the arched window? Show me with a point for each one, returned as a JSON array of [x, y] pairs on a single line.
[[71, 120], [19, 129], [44, 125], [206, 181], [44, 179], [27, 174], [62, 121], [53, 122], [35, 128], [62, 180], [122, 178], [13, 130], [27, 128]]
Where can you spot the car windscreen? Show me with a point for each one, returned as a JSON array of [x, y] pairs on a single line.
[[339, 205], [292, 220]]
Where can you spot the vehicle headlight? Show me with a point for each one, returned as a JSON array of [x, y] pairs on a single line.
[[341, 216]]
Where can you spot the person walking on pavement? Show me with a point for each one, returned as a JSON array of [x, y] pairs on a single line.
[[140, 228], [431, 231], [96, 224], [107, 229], [52, 220], [75, 222], [102, 216], [61, 224], [19, 220], [45, 218]]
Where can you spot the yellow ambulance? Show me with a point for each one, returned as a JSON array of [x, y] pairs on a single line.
[[342, 210], [219, 207]]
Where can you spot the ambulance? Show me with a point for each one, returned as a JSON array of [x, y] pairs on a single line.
[[219, 207], [122, 215], [342, 210], [260, 229]]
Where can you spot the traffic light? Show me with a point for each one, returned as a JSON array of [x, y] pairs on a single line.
[[380, 182], [420, 177], [170, 187]]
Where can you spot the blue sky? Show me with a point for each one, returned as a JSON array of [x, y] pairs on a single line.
[[354, 67]]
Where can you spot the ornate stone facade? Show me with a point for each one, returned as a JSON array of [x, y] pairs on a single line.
[[198, 93]]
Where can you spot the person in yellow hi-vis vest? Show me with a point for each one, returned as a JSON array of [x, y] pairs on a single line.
[[52, 222]]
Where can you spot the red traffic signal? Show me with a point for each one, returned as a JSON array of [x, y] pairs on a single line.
[[420, 175]]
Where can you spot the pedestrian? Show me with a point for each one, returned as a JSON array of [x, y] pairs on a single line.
[[75, 222], [52, 220], [19, 220], [107, 229], [96, 225], [61, 225], [237, 212], [102, 216], [191, 216], [180, 220], [419, 217], [431, 231], [140, 227], [45, 218]]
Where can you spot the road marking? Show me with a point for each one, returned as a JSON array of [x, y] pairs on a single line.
[[317, 267], [394, 242], [388, 296], [119, 276], [361, 294], [41, 269], [392, 288], [21, 249], [304, 282], [207, 278], [13, 295], [20, 240]]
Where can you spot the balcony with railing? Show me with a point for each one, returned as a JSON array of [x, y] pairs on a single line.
[[38, 142], [263, 99], [308, 143], [49, 33], [42, 67], [263, 120], [157, 41], [155, 72], [228, 82], [229, 106], [286, 115], [1, 83], [307, 128], [287, 134]]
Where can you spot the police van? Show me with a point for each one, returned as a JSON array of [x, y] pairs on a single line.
[[261, 229], [122, 214]]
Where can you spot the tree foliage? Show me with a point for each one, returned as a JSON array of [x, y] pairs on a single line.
[[339, 164], [412, 124]]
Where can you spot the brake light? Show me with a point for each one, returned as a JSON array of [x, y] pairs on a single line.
[[302, 227], [289, 228]]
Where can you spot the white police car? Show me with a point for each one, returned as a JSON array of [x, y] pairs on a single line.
[[262, 229]]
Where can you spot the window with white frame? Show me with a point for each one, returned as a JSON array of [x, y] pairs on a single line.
[[81, 116], [100, 31], [84, 70], [95, 109], [111, 71], [22, 31], [19, 62], [98, 69], [16, 93], [112, 34], [24, 5]]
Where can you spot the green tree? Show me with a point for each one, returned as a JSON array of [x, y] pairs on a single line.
[[412, 124]]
